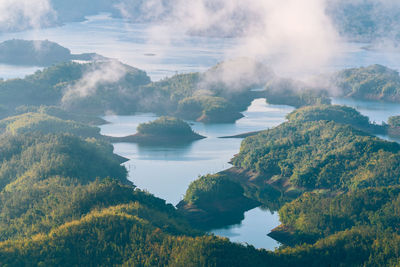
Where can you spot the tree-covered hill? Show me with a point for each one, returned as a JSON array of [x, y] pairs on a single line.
[[336, 113], [43, 123], [375, 82], [66, 201], [321, 154], [103, 86], [50, 87], [336, 188], [164, 130]]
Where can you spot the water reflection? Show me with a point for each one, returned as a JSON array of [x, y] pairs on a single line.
[[377, 111], [253, 230], [167, 171]]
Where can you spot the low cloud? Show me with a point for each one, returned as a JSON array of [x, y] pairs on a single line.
[[99, 74], [293, 37], [22, 14]]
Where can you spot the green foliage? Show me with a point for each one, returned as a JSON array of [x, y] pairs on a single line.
[[101, 86], [323, 215], [34, 157], [323, 155], [42, 123], [336, 113], [48, 87], [61, 114], [363, 224], [294, 93], [210, 188], [375, 82], [207, 109], [58, 207], [119, 236], [165, 126]]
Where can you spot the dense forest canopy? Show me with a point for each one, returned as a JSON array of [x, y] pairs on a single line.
[[375, 82], [321, 154], [165, 126], [59, 192], [65, 197]]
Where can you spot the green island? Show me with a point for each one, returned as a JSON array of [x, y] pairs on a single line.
[[164, 130], [193, 96], [43, 123], [63, 189], [60, 192], [375, 82], [66, 200], [65, 196], [336, 113], [336, 188]]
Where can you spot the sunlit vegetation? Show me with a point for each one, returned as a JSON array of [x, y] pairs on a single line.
[[336, 113], [61, 114], [375, 82], [165, 126], [43, 123], [66, 201], [323, 155], [211, 188], [48, 87], [347, 205], [207, 109], [102, 86]]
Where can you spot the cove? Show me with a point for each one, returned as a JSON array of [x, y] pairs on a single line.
[[166, 171]]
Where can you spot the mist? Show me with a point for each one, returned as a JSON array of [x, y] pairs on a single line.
[[291, 36], [22, 14], [101, 73]]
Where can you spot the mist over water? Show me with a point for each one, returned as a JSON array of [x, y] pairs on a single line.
[[129, 43]]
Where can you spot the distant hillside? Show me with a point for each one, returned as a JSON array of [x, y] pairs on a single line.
[[375, 82], [336, 113], [38, 53]]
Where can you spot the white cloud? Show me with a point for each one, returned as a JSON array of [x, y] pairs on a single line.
[[21, 14], [290, 35], [99, 74]]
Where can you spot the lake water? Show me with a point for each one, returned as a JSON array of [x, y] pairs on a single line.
[[165, 55], [166, 171], [378, 112]]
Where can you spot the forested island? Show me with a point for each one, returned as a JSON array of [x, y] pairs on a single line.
[[332, 182], [164, 130], [63, 189], [375, 82], [81, 88]]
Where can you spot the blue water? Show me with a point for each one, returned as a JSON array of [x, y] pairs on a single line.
[[133, 44], [377, 111], [167, 171]]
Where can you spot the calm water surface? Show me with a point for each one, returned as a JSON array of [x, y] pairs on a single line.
[[166, 171], [163, 56]]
